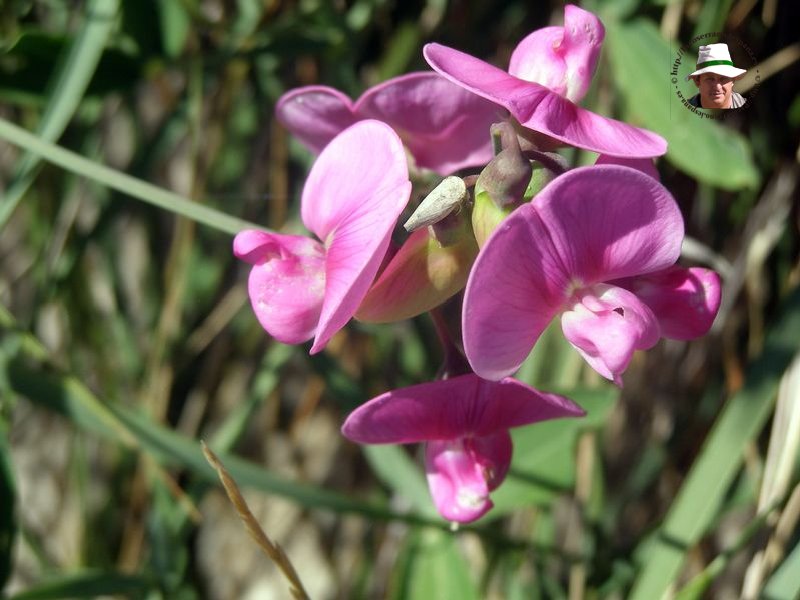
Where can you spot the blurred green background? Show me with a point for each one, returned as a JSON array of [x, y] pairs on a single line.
[[126, 335]]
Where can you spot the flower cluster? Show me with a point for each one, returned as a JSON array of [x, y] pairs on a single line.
[[528, 240]]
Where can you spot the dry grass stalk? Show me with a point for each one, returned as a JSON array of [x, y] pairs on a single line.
[[272, 550]]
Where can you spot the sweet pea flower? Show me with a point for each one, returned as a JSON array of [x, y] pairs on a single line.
[[464, 423], [444, 127], [301, 288], [597, 246], [549, 73]]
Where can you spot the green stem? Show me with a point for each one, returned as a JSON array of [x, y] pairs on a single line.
[[121, 182]]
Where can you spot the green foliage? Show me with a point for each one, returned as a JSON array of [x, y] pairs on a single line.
[[703, 148], [139, 136]]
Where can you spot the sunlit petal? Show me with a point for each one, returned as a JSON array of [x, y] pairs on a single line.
[[606, 325], [561, 58], [286, 282], [464, 406], [685, 301], [543, 110], [315, 114], [352, 199]]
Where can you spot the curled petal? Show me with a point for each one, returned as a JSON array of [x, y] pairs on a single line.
[[464, 406], [561, 58], [445, 127], [606, 325], [352, 199], [286, 282], [461, 473], [315, 114], [685, 301], [542, 110], [607, 222]]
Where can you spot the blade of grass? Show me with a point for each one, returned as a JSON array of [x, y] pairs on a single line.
[[66, 395], [703, 491], [785, 583], [122, 182], [66, 90], [87, 585], [698, 585]]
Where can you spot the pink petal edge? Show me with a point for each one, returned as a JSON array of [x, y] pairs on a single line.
[[462, 406], [352, 199], [542, 110]]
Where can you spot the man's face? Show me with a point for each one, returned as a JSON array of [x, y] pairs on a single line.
[[715, 90]]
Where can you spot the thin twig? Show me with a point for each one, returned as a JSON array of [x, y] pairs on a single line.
[[273, 551]]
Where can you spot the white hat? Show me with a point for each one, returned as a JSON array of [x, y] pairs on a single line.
[[715, 58]]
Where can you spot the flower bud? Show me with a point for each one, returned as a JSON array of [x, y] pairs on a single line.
[[423, 273]]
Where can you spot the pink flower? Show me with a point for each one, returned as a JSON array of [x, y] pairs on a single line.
[[301, 288], [597, 246], [549, 73], [464, 422], [444, 127]]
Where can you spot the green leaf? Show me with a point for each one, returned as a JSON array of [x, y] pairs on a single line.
[[544, 454], [121, 182], [709, 151], [67, 396], [785, 582], [431, 566], [175, 26], [720, 459], [398, 471], [90, 584], [68, 86]]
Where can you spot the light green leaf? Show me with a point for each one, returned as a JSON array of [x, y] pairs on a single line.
[[69, 84], [67, 396], [431, 566], [402, 474], [90, 584], [785, 583], [131, 186], [175, 26], [544, 454], [709, 151], [720, 459]]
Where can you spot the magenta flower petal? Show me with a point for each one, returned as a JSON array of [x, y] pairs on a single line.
[[516, 286], [609, 222], [461, 474], [352, 199], [315, 114], [286, 282], [645, 165], [561, 58], [607, 326], [588, 226], [445, 127], [685, 301], [543, 110], [464, 406]]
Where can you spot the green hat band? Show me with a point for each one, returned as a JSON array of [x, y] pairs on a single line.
[[714, 63]]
